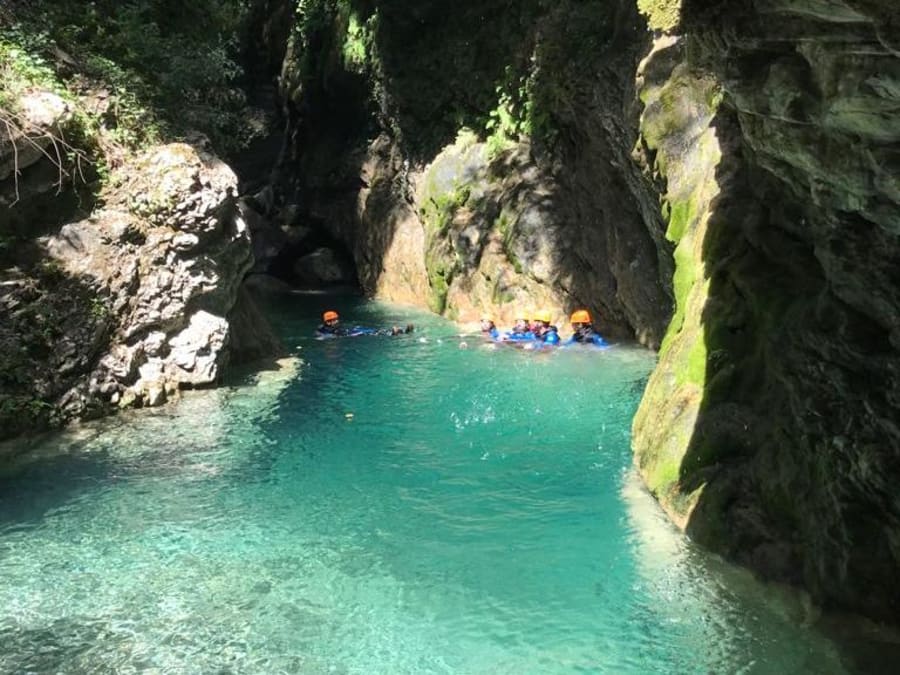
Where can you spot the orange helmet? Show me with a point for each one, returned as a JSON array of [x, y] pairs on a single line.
[[330, 315], [543, 315], [581, 316]]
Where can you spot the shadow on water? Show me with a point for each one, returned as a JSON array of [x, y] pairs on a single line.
[[42, 486]]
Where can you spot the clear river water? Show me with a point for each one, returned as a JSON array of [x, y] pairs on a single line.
[[389, 505]]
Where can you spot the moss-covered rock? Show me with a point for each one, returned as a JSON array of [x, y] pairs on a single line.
[[487, 249], [769, 428], [662, 15], [680, 106]]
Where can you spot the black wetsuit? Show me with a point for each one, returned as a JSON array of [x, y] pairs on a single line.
[[325, 330], [333, 331]]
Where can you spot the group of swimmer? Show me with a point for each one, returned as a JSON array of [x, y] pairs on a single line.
[[539, 332], [530, 334]]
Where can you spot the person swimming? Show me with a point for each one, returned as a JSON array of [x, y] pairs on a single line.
[[331, 328], [520, 331], [489, 328], [543, 330], [583, 330]]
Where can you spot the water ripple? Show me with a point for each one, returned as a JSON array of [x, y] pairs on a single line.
[[390, 506]]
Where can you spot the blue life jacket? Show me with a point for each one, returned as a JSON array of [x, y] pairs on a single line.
[[525, 335], [325, 331], [551, 337]]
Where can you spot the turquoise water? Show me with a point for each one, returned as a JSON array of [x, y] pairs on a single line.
[[477, 514]]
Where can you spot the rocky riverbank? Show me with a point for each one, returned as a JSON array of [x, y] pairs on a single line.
[[131, 303]]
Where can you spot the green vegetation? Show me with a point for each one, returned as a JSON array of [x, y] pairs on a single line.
[[663, 15], [141, 69], [23, 69], [358, 41], [511, 120], [441, 261], [328, 32]]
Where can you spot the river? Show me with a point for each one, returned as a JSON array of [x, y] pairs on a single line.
[[384, 505]]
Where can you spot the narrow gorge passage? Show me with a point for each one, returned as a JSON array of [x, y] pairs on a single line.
[[470, 518], [717, 183]]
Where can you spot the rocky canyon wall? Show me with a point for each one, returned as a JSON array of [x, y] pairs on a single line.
[[770, 429], [477, 158], [723, 186], [120, 301]]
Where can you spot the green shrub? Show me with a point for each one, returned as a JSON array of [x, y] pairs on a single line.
[[168, 67]]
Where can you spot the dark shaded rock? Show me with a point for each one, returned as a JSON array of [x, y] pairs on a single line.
[[324, 267], [264, 283], [251, 337]]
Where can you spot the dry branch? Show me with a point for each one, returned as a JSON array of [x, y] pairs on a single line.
[[19, 129]]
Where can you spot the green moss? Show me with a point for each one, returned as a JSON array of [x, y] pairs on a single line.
[[693, 369], [677, 124], [663, 475], [438, 212], [357, 49], [520, 113], [682, 283], [682, 215], [438, 282], [664, 15]]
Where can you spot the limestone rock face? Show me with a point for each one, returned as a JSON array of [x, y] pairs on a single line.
[[493, 233], [134, 302], [770, 428]]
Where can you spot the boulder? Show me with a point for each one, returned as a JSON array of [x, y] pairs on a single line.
[[133, 299]]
